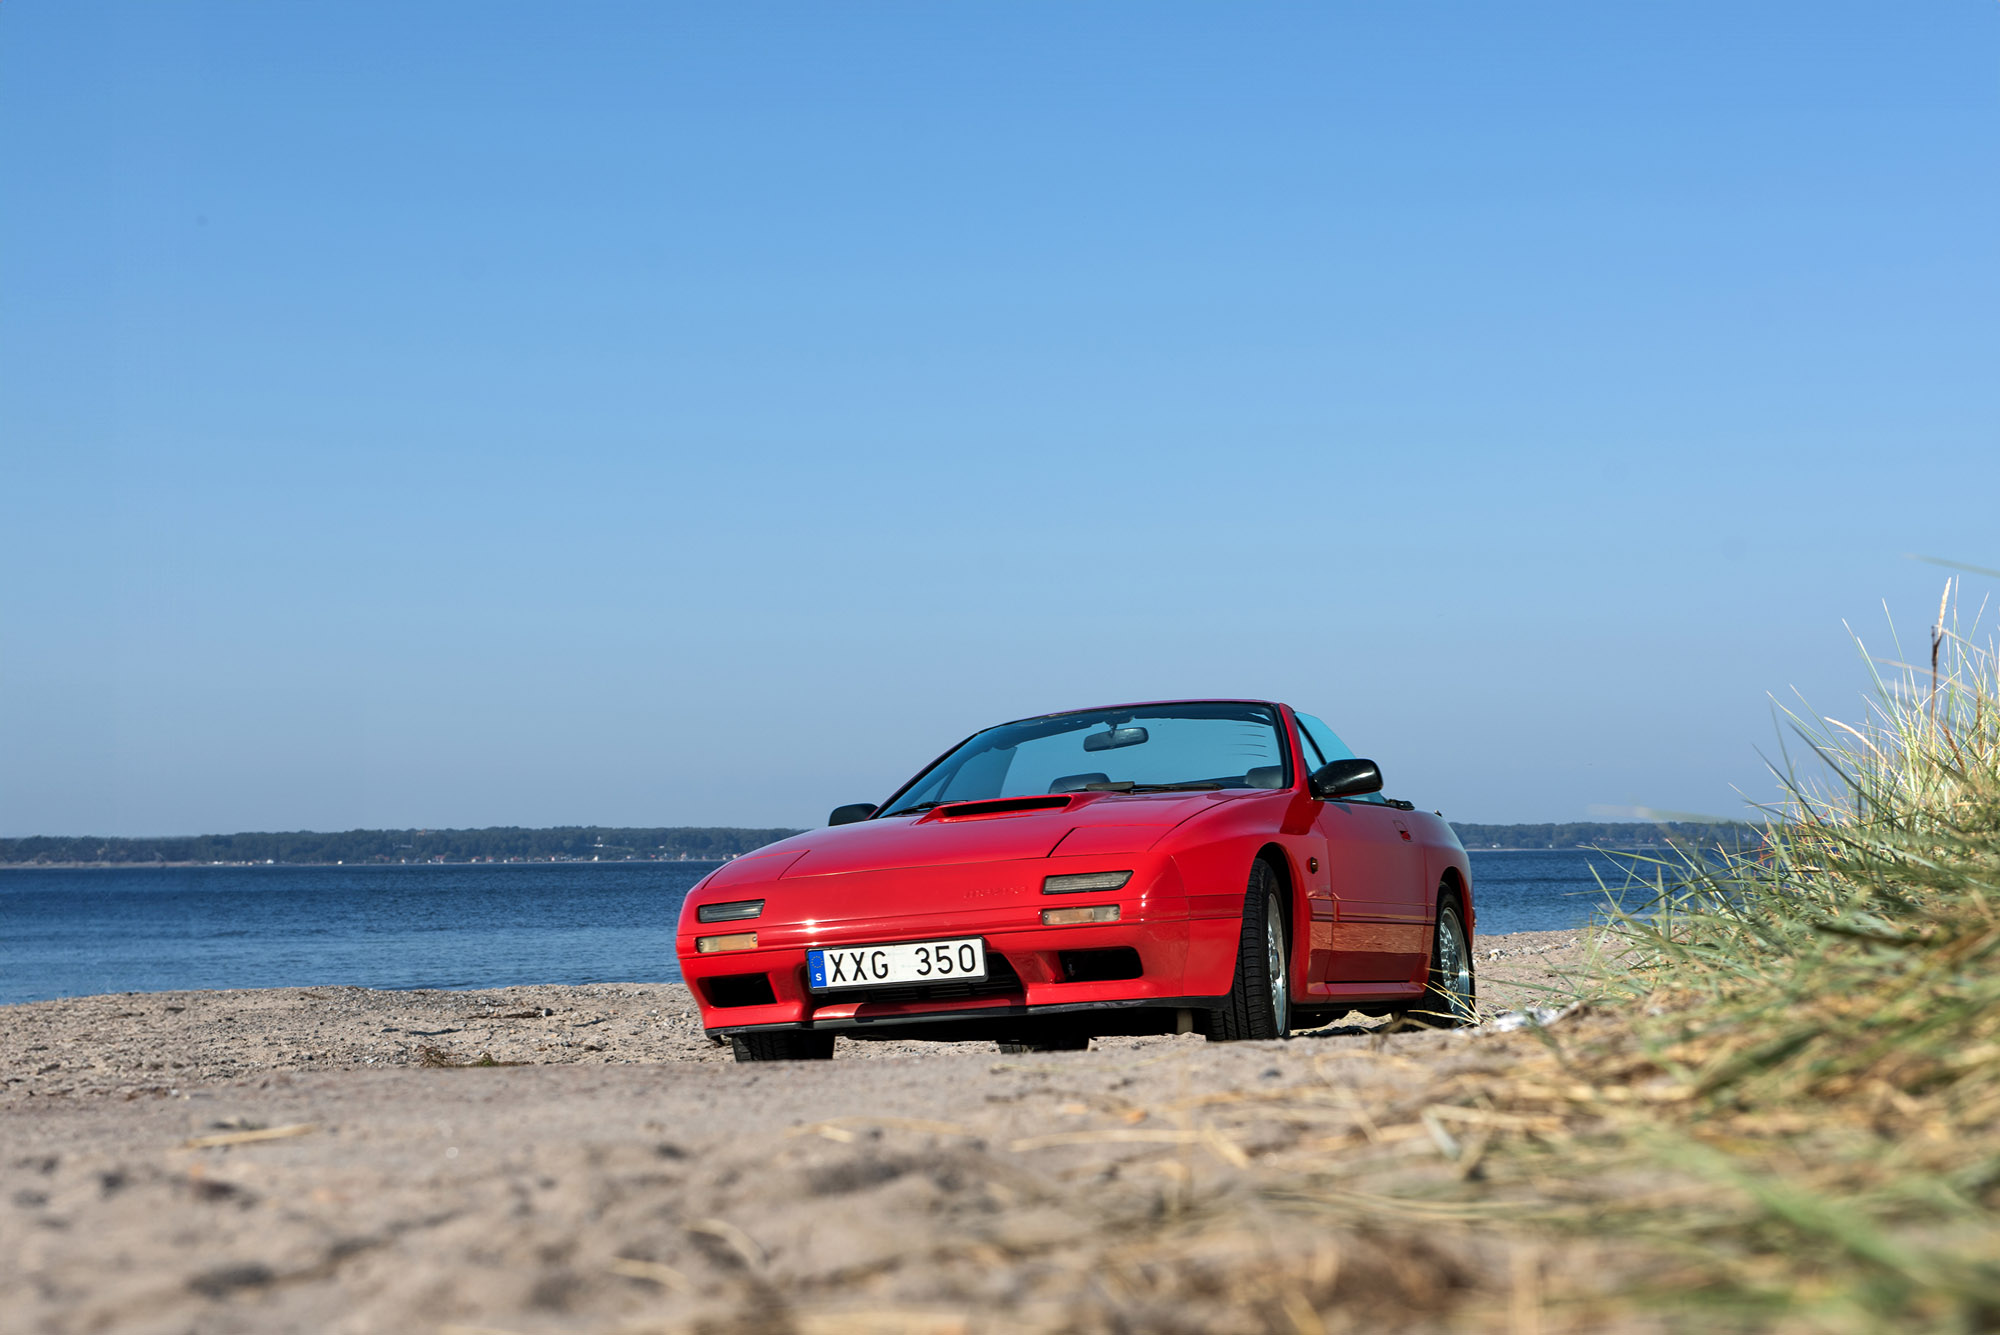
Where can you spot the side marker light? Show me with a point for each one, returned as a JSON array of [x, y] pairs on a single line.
[[1079, 883]]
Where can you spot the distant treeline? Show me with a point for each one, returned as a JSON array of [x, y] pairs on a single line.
[[582, 843], [564, 843], [1733, 835]]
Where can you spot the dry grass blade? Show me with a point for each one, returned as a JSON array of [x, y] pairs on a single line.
[[653, 1272], [844, 1129], [222, 1138], [1498, 1121], [882, 1321], [742, 1244], [1109, 1136], [1207, 1137]]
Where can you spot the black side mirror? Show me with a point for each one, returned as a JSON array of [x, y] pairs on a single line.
[[851, 813], [1346, 778]]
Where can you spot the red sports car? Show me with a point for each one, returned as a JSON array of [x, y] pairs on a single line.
[[1222, 867]]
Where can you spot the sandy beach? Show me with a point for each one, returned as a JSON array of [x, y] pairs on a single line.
[[583, 1159]]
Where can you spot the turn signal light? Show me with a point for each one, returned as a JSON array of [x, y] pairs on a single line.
[[1095, 913], [1090, 880], [709, 945]]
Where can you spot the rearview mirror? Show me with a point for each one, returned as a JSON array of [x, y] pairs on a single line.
[[1113, 738], [851, 813], [1346, 778]]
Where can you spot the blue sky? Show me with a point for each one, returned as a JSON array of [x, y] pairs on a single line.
[[511, 414]]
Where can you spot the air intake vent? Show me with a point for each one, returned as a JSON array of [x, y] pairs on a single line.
[[1101, 966], [739, 989], [1004, 806]]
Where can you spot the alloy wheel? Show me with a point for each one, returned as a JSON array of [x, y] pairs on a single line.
[[1454, 962], [1274, 953]]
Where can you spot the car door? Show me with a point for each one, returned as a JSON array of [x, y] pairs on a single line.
[[1375, 880]]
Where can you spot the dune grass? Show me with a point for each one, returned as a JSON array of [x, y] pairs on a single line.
[[1817, 1026], [1778, 1106]]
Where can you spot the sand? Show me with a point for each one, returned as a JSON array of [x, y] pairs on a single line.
[[330, 1159]]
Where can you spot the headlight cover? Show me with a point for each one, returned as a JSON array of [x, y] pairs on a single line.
[[731, 912], [1084, 882]]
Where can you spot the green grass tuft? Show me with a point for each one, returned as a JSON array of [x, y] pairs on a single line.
[[1831, 1005]]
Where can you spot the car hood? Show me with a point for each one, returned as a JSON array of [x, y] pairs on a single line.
[[1092, 823]]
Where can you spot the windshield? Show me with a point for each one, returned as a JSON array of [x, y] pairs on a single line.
[[1144, 748]]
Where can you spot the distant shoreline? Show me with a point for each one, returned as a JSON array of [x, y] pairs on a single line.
[[516, 845], [497, 844], [648, 862]]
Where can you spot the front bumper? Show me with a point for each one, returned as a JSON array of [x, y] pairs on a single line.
[[1162, 964]]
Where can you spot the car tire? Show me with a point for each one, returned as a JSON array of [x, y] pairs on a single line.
[[784, 1045], [1259, 1001], [1451, 998]]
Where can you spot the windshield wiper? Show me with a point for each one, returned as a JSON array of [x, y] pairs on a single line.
[[913, 810], [1194, 786]]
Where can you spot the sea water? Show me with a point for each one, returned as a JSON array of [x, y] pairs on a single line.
[[79, 931]]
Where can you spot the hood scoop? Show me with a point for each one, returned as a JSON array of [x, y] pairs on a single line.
[[1001, 806]]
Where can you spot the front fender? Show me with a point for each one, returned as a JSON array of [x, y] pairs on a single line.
[[1213, 853]]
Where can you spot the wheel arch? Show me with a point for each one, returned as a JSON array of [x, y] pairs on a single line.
[[1253, 1005], [1281, 864], [1453, 884], [1281, 867]]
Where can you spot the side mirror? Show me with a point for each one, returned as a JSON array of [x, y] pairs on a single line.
[[1346, 778], [851, 813]]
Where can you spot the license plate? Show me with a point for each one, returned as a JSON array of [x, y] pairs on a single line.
[[902, 963]]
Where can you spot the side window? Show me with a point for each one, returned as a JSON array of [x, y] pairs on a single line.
[[1323, 737], [1329, 745], [1309, 750]]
